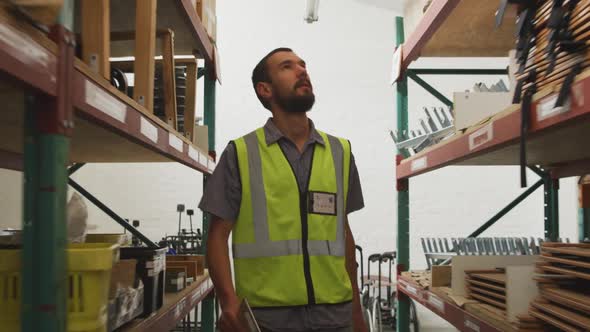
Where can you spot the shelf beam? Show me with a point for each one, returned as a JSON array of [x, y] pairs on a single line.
[[434, 92]]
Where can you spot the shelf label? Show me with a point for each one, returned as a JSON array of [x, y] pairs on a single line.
[[203, 159], [179, 308], [546, 109], [471, 325], [104, 102], [148, 130], [211, 165], [396, 65], [193, 154], [418, 164], [29, 52], [481, 136], [412, 290], [175, 142], [437, 303]]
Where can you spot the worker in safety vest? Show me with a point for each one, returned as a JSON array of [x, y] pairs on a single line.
[[284, 192]]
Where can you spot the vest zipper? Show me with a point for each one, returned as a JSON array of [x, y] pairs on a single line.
[[304, 228]]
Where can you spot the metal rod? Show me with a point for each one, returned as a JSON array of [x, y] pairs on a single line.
[[425, 71], [430, 89], [111, 213], [75, 168], [507, 209]]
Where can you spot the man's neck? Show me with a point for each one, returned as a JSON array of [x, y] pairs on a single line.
[[295, 126]]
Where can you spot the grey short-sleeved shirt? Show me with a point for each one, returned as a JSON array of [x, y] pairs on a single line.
[[222, 197]]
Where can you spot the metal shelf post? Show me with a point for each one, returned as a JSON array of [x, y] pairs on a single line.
[[208, 305], [403, 196], [47, 127]]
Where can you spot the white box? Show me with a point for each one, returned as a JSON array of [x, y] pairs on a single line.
[[470, 108]]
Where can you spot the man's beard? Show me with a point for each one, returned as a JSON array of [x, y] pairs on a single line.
[[296, 104]]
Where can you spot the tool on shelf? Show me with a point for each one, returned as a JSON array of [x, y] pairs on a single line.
[[439, 251], [438, 125]]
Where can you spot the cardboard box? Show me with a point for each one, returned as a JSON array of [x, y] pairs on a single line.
[[122, 276], [199, 261], [201, 137], [470, 108], [441, 276]]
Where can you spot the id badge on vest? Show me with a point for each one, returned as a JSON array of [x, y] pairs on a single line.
[[322, 203]]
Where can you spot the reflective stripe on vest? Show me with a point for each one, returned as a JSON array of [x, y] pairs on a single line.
[[271, 268]]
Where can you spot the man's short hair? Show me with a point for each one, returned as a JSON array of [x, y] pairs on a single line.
[[260, 73]]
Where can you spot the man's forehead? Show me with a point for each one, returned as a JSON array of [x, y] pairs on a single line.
[[280, 57]]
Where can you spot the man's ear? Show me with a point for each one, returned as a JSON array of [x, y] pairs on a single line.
[[264, 90]]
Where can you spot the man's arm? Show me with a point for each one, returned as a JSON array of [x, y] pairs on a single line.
[[220, 272], [351, 268]]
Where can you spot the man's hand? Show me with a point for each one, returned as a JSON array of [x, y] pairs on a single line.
[[229, 320]]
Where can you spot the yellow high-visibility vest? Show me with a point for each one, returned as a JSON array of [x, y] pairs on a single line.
[[288, 246]]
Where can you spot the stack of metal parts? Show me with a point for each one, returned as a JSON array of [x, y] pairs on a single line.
[[438, 124], [438, 251], [500, 86], [159, 104]]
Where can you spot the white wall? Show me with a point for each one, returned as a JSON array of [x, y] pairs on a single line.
[[348, 54]]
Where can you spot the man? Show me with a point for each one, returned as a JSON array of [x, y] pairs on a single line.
[[284, 192]]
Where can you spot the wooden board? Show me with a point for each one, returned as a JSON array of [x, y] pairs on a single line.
[[575, 251], [468, 31], [42, 11], [564, 301], [582, 275], [572, 262], [486, 285], [568, 316], [553, 321], [491, 315], [145, 44], [499, 279], [169, 79], [495, 295], [462, 263], [96, 36], [190, 101], [576, 296], [488, 300], [441, 275]]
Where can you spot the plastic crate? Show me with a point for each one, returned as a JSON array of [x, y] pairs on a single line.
[[122, 239], [150, 269], [89, 271]]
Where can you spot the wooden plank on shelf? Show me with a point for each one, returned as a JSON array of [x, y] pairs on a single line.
[[491, 315], [565, 301], [488, 300], [145, 40], [169, 79], [553, 321], [462, 263], [497, 278], [96, 35], [582, 297], [568, 316], [582, 275], [496, 295], [572, 262], [486, 285], [190, 100], [569, 250]]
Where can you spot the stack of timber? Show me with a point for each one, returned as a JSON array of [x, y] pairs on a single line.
[[564, 282]]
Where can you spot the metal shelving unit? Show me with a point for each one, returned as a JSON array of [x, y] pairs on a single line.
[[57, 112], [557, 140]]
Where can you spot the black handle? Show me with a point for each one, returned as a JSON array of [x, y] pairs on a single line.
[[388, 255], [374, 258]]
